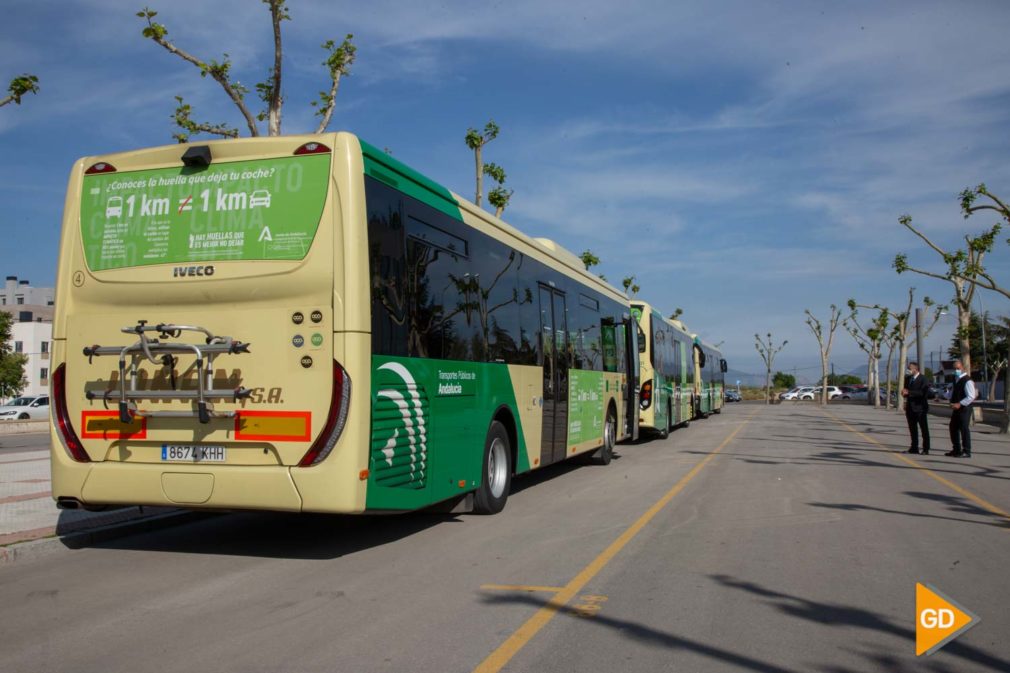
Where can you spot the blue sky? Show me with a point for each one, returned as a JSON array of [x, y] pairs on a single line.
[[744, 159]]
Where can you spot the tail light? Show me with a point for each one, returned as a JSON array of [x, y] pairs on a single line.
[[340, 401], [100, 167], [64, 428], [646, 396], [312, 148]]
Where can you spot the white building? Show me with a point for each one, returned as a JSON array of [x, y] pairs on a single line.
[[32, 329], [35, 340], [20, 293]]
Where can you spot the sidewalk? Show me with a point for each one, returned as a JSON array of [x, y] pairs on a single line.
[[28, 512]]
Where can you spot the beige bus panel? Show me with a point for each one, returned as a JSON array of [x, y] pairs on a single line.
[[251, 301]]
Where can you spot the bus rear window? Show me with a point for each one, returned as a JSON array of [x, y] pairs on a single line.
[[263, 209]]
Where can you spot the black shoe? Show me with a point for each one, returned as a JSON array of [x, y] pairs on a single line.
[[925, 452], [913, 450], [953, 453], [966, 454]]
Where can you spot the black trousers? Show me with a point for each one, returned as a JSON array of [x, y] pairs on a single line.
[[916, 422], [960, 430]]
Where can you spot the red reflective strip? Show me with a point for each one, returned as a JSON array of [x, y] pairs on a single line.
[[110, 434], [304, 436]]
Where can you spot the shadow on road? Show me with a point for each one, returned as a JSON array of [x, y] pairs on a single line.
[[279, 535], [639, 632], [838, 615]]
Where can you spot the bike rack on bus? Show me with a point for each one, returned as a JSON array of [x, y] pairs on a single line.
[[159, 351]]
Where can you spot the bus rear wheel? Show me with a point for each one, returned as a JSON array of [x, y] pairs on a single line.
[[603, 454], [496, 472]]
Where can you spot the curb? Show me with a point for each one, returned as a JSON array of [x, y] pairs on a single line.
[[34, 549]]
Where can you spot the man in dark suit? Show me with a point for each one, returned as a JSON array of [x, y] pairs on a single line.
[[962, 397], [916, 394]]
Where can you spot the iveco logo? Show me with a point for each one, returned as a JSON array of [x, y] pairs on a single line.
[[193, 271]]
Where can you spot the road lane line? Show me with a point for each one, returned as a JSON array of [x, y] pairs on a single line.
[[981, 502], [521, 636]]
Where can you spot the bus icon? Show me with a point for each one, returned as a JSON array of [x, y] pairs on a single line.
[[114, 207]]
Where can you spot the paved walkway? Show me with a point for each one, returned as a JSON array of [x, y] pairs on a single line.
[[27, 509]]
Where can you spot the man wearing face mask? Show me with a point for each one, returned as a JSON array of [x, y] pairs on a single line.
[[916, 407], [961, 398]]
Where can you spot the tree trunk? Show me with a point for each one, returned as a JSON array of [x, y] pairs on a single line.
[[1004, 427], [963, 323], [876, 380], [887, 373], [902, 364], [480, 174], [768, 386]]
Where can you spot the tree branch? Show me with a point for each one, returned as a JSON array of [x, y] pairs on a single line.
[[907, 222], [338, 63], [218, 71], [277, 14]]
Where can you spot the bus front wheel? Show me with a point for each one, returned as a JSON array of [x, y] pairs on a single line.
[[496, 472]]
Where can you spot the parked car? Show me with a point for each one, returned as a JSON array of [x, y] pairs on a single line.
[[796, 393], [815, 393], [859, 393], [32, 407], [732, 396]]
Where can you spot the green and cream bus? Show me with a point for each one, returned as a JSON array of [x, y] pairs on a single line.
[[666, 399], [307, 324], [709, 378]]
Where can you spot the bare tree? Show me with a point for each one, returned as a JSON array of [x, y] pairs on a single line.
[[476, 140], [869, 339], [338, 62], [824, 343], [19, 87], [969, 199], [767, 350], [964, 267]]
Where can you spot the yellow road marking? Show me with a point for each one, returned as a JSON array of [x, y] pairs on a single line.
[[984, 504], [521, 636], [519, 587]]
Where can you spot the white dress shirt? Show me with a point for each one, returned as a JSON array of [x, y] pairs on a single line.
[[969, 391]]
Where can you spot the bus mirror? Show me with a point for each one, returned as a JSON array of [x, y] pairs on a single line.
[[723, 367]]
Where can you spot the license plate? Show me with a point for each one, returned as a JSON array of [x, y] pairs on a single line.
[[188, 453]]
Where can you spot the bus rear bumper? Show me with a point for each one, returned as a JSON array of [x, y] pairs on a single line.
[[231, 487]]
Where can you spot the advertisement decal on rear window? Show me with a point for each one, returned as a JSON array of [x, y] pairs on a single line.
[[265, 209]]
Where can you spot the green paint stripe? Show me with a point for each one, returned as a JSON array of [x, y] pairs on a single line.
[[400, 176]]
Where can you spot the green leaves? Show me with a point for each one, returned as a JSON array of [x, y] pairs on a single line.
[[900, 263], [477, 139], [19, 86], [589, 259], [630, 286]]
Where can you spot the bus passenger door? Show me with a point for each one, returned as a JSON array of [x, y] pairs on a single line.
[[633, 388], [554, 345]]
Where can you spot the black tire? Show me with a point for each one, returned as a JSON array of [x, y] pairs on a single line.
[[665, 432], [603, 455], [496, 472], [24, 416]]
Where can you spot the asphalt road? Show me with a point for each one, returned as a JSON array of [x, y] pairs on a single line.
[[764, 539], [33, 441]]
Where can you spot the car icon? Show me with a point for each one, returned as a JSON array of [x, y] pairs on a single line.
[[260, 197], [114, 207]]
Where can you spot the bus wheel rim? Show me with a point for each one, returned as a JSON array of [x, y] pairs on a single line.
[[497, 465], [610, 431]]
